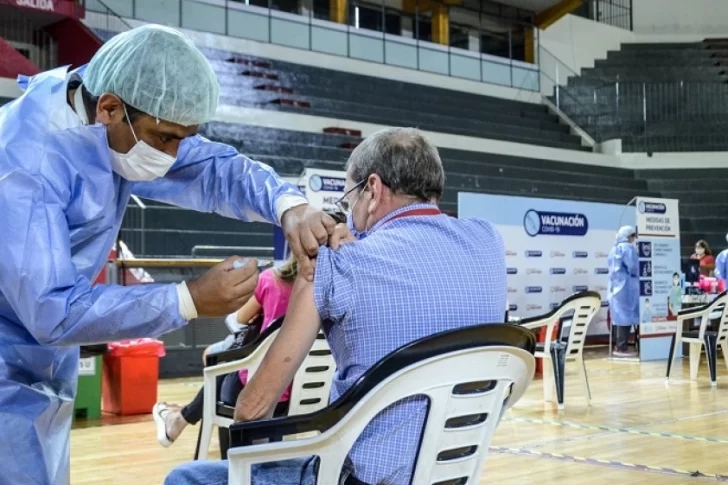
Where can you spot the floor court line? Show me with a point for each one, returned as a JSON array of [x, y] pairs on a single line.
[[610, 464], [609, 429]]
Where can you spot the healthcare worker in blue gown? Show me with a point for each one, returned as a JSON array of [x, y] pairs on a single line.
[[623, 291], [721, 264], [73, 148]]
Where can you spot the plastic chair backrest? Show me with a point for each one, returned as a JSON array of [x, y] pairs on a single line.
[[585, 308], [470, 375], [722, 300], [571, 306], [468, 391], [312, 382]]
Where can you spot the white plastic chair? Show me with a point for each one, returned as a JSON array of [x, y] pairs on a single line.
[[711, 339], [471, 376], [309, 391], [579, 309]]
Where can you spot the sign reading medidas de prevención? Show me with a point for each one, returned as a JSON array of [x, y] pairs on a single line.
[[658, 248]]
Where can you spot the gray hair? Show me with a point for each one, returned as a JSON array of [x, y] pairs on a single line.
[[406, 162]]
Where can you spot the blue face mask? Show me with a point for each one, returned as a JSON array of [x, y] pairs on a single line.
[[352, 229]]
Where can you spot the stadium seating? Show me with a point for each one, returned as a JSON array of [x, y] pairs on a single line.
[[655, 97], [268, 84]]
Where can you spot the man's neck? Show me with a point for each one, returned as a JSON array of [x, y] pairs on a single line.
[[397, 203]]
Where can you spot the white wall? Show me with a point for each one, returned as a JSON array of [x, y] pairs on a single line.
[[678, 17], [577, 41], [9, 88]]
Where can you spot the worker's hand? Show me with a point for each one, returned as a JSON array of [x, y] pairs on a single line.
[[223, 289], [341, 235], [306, 229]]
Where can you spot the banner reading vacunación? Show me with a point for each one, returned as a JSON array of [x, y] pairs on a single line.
[[553, 248]]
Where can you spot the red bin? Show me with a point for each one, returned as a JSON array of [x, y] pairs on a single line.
[[131, 373]]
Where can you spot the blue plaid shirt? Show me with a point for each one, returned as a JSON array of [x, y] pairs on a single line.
[[409, 278]]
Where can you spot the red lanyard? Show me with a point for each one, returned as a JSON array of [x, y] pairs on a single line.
[[415, 212]]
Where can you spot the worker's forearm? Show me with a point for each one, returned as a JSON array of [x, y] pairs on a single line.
[[104, 313], [214, 177]]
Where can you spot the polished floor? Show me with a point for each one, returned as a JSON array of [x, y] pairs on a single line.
[[638, 430]]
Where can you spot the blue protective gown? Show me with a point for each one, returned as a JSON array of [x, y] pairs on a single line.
[[623, 291], [61, 207], [721, 266]]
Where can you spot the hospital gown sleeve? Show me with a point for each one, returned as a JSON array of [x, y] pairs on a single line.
[[214, 177], [56, 304], [627, 254], [721, 266]]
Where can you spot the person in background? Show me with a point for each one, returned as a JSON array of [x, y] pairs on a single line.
[[705, 256], [623, 290], [271, 299], [721, 264], [395, 275], [674, 301]]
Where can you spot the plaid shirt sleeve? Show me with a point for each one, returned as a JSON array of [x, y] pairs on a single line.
[[333, 288]]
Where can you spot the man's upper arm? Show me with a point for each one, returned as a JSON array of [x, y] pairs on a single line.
[[285, 356], [333, 286]]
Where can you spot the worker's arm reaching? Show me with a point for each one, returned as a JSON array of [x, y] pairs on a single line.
[[213, 177], [59, 306]]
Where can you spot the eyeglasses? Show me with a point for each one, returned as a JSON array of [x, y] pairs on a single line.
[[343, 203]]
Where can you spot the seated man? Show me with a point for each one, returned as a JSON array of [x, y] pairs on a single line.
[[413, 272]]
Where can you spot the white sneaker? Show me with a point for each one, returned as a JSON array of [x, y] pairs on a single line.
[[160, 411], [620, 354]]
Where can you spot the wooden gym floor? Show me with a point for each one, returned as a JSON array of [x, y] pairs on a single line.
[[638, 430]]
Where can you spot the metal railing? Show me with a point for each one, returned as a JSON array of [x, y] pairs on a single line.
[[134, 225], [304, 31], [656, 116], [26, 36], [554, 78], [617, 13]]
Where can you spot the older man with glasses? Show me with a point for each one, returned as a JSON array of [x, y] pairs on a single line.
[[412, 272]]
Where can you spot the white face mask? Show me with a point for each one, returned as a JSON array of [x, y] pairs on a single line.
[[699, 251], [142, 163]]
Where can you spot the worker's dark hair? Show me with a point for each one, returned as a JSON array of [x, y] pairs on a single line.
[[704, 244]]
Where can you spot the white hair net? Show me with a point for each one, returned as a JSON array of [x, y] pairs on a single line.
[[625, 232], [158, 71]]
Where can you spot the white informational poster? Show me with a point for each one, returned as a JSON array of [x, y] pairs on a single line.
[[322, 188], [554, 248], [658, 247]]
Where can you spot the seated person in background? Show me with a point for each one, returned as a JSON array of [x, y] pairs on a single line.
[[271, 298], [705, 256], [413, 272]]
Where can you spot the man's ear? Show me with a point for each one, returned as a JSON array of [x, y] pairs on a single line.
[[375, 188], [109, 109]]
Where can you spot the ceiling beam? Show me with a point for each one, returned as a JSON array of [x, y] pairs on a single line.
[[552, 14]]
